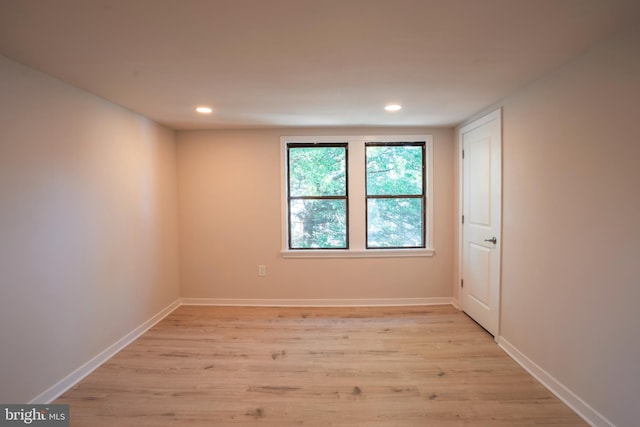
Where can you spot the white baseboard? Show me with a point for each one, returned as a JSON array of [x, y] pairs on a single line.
[[381, 302], [582, 408], [56, 390]]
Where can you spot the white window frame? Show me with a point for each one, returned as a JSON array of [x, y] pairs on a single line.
[[357, 199]]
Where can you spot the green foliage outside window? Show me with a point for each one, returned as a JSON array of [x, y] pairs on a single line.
[[394, 170]]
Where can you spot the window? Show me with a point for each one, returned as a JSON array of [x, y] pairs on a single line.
[[395, 194], [357, 196], [317, 196]]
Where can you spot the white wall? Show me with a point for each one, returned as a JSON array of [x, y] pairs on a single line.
[[88, 246], [571, 237], [229, 199]]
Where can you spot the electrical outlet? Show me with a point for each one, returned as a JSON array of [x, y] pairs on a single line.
[[262, 270]]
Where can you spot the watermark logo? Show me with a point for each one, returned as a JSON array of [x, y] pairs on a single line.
[[34, 415]]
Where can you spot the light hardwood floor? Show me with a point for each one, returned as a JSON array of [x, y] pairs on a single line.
[[393, 366]]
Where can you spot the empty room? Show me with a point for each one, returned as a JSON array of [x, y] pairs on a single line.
[[323, 213]]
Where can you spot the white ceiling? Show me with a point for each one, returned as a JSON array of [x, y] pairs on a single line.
[[263, 63]]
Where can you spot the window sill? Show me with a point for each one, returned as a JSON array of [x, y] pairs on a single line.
[[346, 253]]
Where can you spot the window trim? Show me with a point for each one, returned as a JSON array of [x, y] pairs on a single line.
[[356, 190]]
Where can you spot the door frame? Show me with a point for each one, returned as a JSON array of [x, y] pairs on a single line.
[[466, 127]]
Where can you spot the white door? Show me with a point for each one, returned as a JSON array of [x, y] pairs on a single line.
[[481, 208]]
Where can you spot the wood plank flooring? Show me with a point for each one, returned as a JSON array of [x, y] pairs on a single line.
[[392, 366]]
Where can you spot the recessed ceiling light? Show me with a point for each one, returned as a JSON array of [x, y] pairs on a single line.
[[393, 107], [204, 110]]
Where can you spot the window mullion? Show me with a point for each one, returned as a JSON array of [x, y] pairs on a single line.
[[357, 195]]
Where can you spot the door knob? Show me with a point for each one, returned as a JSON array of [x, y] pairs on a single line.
[[492, 240]]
